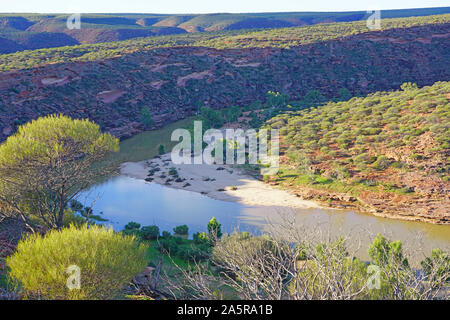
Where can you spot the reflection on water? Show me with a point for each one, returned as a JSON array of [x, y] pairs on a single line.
[[123, 199]]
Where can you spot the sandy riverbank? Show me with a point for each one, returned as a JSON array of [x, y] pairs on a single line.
[[219, 182]]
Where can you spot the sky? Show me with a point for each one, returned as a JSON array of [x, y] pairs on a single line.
[[208, 6]]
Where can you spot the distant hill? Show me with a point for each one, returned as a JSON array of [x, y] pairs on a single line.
[[30, 31], [231, 39]]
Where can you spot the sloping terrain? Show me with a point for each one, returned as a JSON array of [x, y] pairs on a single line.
[[23, 29], [175, 82], [272, 38], [389, 150]]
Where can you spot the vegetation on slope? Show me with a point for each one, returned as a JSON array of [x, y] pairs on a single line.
[[391, 142], [34, 31], [278, 38]]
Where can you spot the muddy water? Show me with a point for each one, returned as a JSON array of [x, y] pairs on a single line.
[[122, 199]]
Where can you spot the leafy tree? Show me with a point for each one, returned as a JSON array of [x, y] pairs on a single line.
[[146, 117], [132, 225], [149, 232], [211, 118], [47, 163], [314, 97], [161, 149], [200, 237], [214, 228], [181, 230], [106, 261], [344, 95], [276, 99]]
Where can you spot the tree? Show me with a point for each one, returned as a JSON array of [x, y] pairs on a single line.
[[344, 94], [276, 99], [214, 228], [161, 149], [181, 230], [47, 163], [314, 97], [146, 117], [105, 261], [211, 118]]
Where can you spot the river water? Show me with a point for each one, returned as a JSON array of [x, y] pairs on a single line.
[[122, 199]]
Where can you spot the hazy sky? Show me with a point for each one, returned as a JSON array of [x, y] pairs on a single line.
[[208, 6]]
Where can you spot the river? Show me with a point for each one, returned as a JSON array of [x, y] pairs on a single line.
[[123, 199]]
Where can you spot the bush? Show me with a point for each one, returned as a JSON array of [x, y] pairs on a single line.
[[382, 163], [214, 228], [131, 228], [181, 230], [146, 118], [107, 262], [150, 232], [200, 237], [132, 225]]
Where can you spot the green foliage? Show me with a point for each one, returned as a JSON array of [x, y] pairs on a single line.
[[149, 232], [231, 114], [181, 230], [132, 225], [107, 262], [161, 150], [146, 118], [200, 237], [187, 250], [131, 228], [49, 161], [348, 140], [276, 99], [283, 37], [173, 172], [383, 251], [382, 163], [211, 118], [214, 228], [438, 265]]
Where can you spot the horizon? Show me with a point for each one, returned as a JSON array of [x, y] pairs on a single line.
[[178, 7], [221, 12]]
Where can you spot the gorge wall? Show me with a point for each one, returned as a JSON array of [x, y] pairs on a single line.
[[174, 82]]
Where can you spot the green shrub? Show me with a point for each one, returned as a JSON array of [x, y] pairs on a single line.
[[214, 228], [322, 180], [131, 228], [132, 225], [150, 232], [146, 117], [381, 163], [181, 230], [107, 261], [200, 237]]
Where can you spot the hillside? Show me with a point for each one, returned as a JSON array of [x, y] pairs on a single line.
[[272, 38], [174, 82], [24, 29], [387, 153]]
